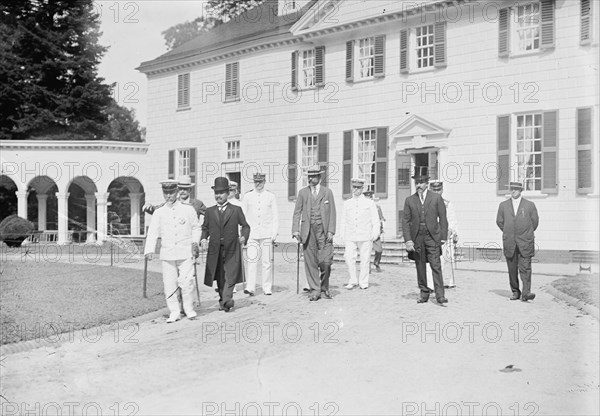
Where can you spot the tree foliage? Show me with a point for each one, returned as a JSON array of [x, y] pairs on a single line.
[[49, 83], [217, 12]]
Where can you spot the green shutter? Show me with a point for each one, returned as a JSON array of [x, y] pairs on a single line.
[[550, 152], [292, 167], [503, 35], [585, 184], [503, 154], [404, 51], [379, 64], [171, 173], [320, 66], [347, 165], [295, 71], [350, 61], [547, 24], [439, 33], [381, 162], [323, 156], [585, 32]]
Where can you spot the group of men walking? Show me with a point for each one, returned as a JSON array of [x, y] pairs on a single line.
[[428, 224]]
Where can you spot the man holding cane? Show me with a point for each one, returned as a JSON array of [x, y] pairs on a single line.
[[177, 226]]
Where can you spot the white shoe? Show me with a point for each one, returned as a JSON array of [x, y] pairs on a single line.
[[191, 315], [174, 317], [234, 290], [350, 286]]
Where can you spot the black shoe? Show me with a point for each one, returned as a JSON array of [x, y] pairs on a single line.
[[515, 296], [248, 292], [442, 300], [306, 289], [423, 300], [525, 298], [378, 269], [216, 289], [326, 295], [313, 298]]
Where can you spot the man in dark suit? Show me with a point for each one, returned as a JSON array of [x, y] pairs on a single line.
[[224, 257], [425, 229], [518, 219], [314, 226]]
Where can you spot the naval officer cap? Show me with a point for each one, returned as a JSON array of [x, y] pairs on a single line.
[[259, 177], [358, 182], [436, 186], [169, 186]]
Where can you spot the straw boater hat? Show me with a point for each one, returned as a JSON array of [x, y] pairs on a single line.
[[233, 185], [169, 186], [221, 184], [315, 170], [185, 181], [515, 186]]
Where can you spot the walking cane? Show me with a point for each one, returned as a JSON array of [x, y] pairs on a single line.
[[145, 277], [273, 245], [196, 280], [298, 269]]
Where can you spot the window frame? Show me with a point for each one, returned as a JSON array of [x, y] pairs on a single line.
[[183, 91], [514, 41], [183, 162], [358, 151], [414, 49], [302, 165], [514, 147]]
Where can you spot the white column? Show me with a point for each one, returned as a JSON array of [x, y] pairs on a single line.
[[134, 201], [42, 208], [101, 215], [22, 203], [63, 217], [90, 218]]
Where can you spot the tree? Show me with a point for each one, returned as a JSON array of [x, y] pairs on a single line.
[[49, 84], [218, 12]]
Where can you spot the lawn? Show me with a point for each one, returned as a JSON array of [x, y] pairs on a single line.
[[583, 286], [38, 298]]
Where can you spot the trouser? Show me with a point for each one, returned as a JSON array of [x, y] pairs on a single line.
[[318, 257], [224, 285], [519, 265], [364, 247], [259, 252], [179, 273], [378, 247], [427, 250]]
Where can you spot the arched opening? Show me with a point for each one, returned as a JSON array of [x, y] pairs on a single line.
[[8, 197], [42, 205], [81, 210], [125, 199]]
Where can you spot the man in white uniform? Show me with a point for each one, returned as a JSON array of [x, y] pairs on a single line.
[[260, 208], [360, 227], [177, 226]]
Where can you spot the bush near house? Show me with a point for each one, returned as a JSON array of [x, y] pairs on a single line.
[[14, 229]]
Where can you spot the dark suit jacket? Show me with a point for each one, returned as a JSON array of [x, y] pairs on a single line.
[[435, 217], [301, 220], [232, 218], [517, 230]]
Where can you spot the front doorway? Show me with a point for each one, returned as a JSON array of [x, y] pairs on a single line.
[[405, 163]]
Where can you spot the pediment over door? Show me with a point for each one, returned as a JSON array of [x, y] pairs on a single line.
[[417, 132]]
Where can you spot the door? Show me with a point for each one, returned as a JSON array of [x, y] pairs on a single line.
[[403, 174]]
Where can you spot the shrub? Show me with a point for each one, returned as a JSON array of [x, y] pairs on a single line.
[[14, 229]]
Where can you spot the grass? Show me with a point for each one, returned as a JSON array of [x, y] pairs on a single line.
[[39, 297], [585, 287]]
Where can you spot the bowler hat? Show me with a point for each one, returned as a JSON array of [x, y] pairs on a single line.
[[515, 185], [185, 181], [169, 185], [221, 184], [421, 173]]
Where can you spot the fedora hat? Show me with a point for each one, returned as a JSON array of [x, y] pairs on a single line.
[[421, 173], [221, 184], [315, 170], [515, 186], [185, 181]]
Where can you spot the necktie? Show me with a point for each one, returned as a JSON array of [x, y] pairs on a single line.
[[314, 193], [422, 198]]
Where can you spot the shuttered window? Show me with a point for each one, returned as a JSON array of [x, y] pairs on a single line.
[[585, 163], [526, 28], [365, 58], [503, 153], [585, 32], [232, 81], [171, 164], [308, 68], [183, 90], [304, 152], [365, 155], [292, 167], [423, 47]]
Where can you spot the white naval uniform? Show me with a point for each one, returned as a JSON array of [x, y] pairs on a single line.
[[447, 258], [360, 227], [177, 226], [260, 209]]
